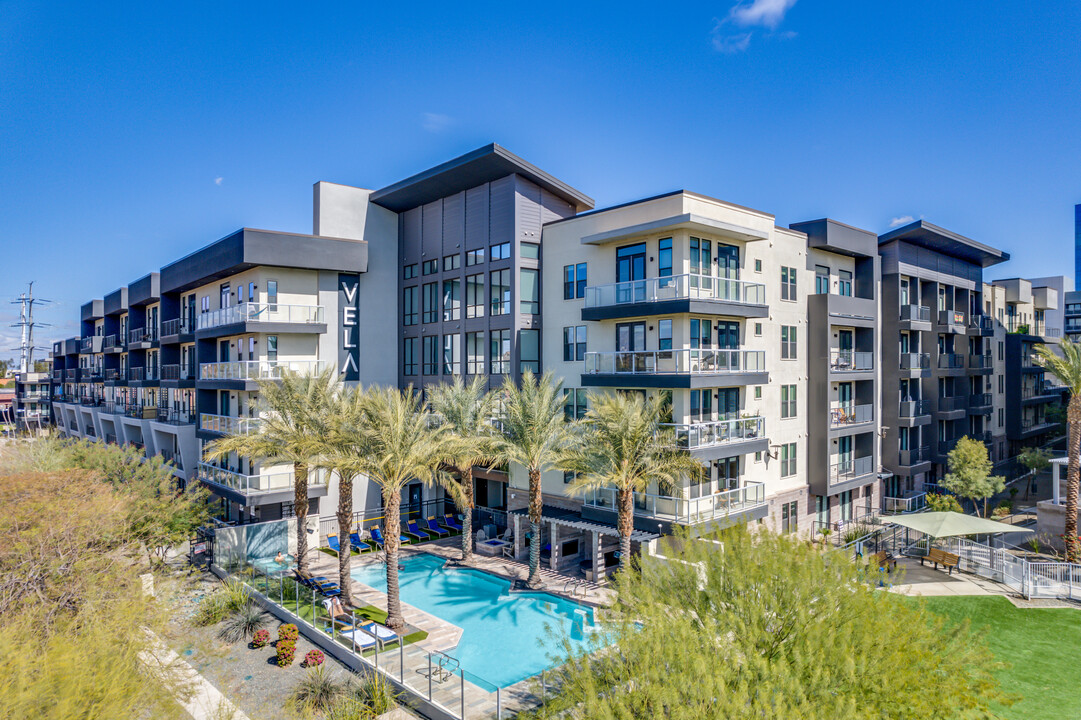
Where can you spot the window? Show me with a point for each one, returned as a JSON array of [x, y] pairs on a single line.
[[409, 306], [788, 459], [1001, 384], [474, 353], [788, 283], [251, 292], [574, 281], [844, 283], [530, 251], [574, 403], [788, 342], [788, 401], [251, 348], [664, 257], [205, 308], [272, 348], [474, 257], [431, 266], [500, 292], [500, 352], [409, 356], [452, 300], [1001, 417], [568, 282], [452, 262], [580, 281], [1001, 351], [529, 350], [225, 296], [789, 515], [452, 354], [409, 272], [430, 294], [758, 329], [757, 392], [501, 251], [430, 356], [529, 291], [822, 279], [664, 334], [757, 265], [474, 296], [272, 293], [574, 343]]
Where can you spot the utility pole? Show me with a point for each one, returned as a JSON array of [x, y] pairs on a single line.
[[26, 325]]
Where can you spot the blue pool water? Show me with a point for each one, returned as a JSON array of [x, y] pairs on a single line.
[[505, 637]]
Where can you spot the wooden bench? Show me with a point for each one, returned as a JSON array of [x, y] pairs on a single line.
[[885, 560], [941, 557]]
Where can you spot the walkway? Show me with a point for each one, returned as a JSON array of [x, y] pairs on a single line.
[[924, 581]]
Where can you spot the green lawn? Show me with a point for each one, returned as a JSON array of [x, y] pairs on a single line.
[[1042, 646]]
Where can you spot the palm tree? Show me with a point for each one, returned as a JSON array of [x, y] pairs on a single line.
[[293, 411], [343, 453], [625, 446], [395, 443], [535, 436], [1066, 366], [467, 410]]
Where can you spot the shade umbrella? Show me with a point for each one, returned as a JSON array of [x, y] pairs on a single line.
[[952, 524]]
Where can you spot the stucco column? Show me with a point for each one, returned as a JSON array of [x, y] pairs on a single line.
[[518, 535], [1055, 480], [595, 548], [553, 535]]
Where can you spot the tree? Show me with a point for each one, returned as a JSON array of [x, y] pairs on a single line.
[[624, 446], [969, 473], [341, 453], [396, 442], [940, 502], [1066, 365], [1036, 459], [535, 436], [467, 410], [5, 365], [294, 412]]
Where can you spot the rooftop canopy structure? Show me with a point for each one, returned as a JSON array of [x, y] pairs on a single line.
[[953, 524]]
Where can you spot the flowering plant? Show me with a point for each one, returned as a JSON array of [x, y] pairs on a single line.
[[313, 658], [287, 632], [287, 650], [260, 638]]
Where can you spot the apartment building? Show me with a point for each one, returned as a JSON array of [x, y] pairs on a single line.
[[31, 408], [938, 381]]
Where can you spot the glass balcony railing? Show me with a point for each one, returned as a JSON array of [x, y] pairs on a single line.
[[227, 425], [675, 287], [718, 432], [851, 361], [262, 313], [916, 313], [684, 510], [951, 317], [690, 362], [842, 414], [253, 484], [257, 369], [851, 468], [981, 362]]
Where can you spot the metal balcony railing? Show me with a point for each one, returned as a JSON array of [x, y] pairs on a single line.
[[142, 412], [692, 362], [951, 361], [918, 313], [262, 313], [984, 323], [683, 510], [143, 335], [914, 456], [253, 484], [86, 344], [718, 432], [227, 425], [851, 361], [109, 342], [257, 369], [902, 505], [176, 416], [842, 414], [70, 374], [980, 400], [981, 362], [851, 468], [913, 408], [178, 372], [176, 326], [951, 317], [58, 374], [141, 374], [675, 287], [945, 446]]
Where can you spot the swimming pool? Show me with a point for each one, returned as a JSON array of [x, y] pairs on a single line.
[[502, 634]]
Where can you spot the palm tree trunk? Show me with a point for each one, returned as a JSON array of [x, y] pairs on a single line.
[[392, 524], [467, 514], [535, 507], [625, 525], [345, 526], [1073, 474], [300, 509]]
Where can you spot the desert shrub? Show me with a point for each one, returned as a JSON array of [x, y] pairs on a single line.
[[346, 707], [313, 658], [243, 623], [219, 604], [260, 638], [287, 650], [287, 632], [316, 690], [373, 691]]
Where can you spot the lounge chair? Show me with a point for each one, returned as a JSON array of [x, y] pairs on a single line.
[[382, 632], [360, 545], [362, 639], [377, 536], [321, 584], [433, 526], [333, 544], [419, 533], [449, 520]]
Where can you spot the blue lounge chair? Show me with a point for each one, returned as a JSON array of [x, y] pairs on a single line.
[[377, 537], [452, 522], [359, 544], [320, 584], [333, 544], [433, 526], [420, 533]]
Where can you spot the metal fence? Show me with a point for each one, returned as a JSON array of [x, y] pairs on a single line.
[[1031, 579]]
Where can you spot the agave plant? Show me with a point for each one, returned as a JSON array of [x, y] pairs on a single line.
[[317, 690]]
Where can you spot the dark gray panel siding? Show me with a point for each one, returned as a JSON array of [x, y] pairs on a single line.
[[501, 209], [453, 223], [476, 217]]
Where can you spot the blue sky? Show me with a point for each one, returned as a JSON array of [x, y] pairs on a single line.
[[132, 134]]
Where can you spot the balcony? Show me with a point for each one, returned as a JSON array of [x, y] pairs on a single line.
[[952, 403], [903, 505], [913, 408], [1039, 392], [142, 412], [980, 403], [1034, 426], [111, 344], [914, 456], [116, 377], [741, 435], [984, 437], [70, 374], [58, 375], [143, 374], [276, 317], [254, 484], [724, 506], [256, 370], [951, 361], [176, 416], [851, 361], [982, 364], [171, 330], [90, 345], [675, 294], [845, 414], [945, 446], [851, 468], [675, 368], [226, 425], [952, 321], [982, 324], [915, 314], [178, 372]]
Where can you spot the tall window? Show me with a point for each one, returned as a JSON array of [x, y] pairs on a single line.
[[500, 352], [452, 299], [474, 353], [664, 257], [574, 403], [500, 292], [474, 257], [788, 459], [452, 354], [430, 356], [529, 350], [844, 283], [789, 514], [788, 342], [574, 343], [822, 279], [788, 283], [664, 334], [272, 348], [700, 251], [529, 291], [430, 295], [409, 306], [430, 267], [409, 356], [409, 272], [272, 294], [474, 296], [574, 281], [788, 401]]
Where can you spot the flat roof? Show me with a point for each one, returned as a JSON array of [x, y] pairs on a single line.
[[482, 165], [932, 237]]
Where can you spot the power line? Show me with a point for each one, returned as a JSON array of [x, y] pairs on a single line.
[[26, 324]]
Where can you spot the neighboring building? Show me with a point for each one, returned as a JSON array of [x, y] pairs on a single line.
[[32, 406], [937, 362], [1077, 242], [1072, 315]]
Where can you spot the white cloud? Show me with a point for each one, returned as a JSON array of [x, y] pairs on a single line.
[[749, 14], [435, 122], [731, 43], [218, 180], [903, 220]]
